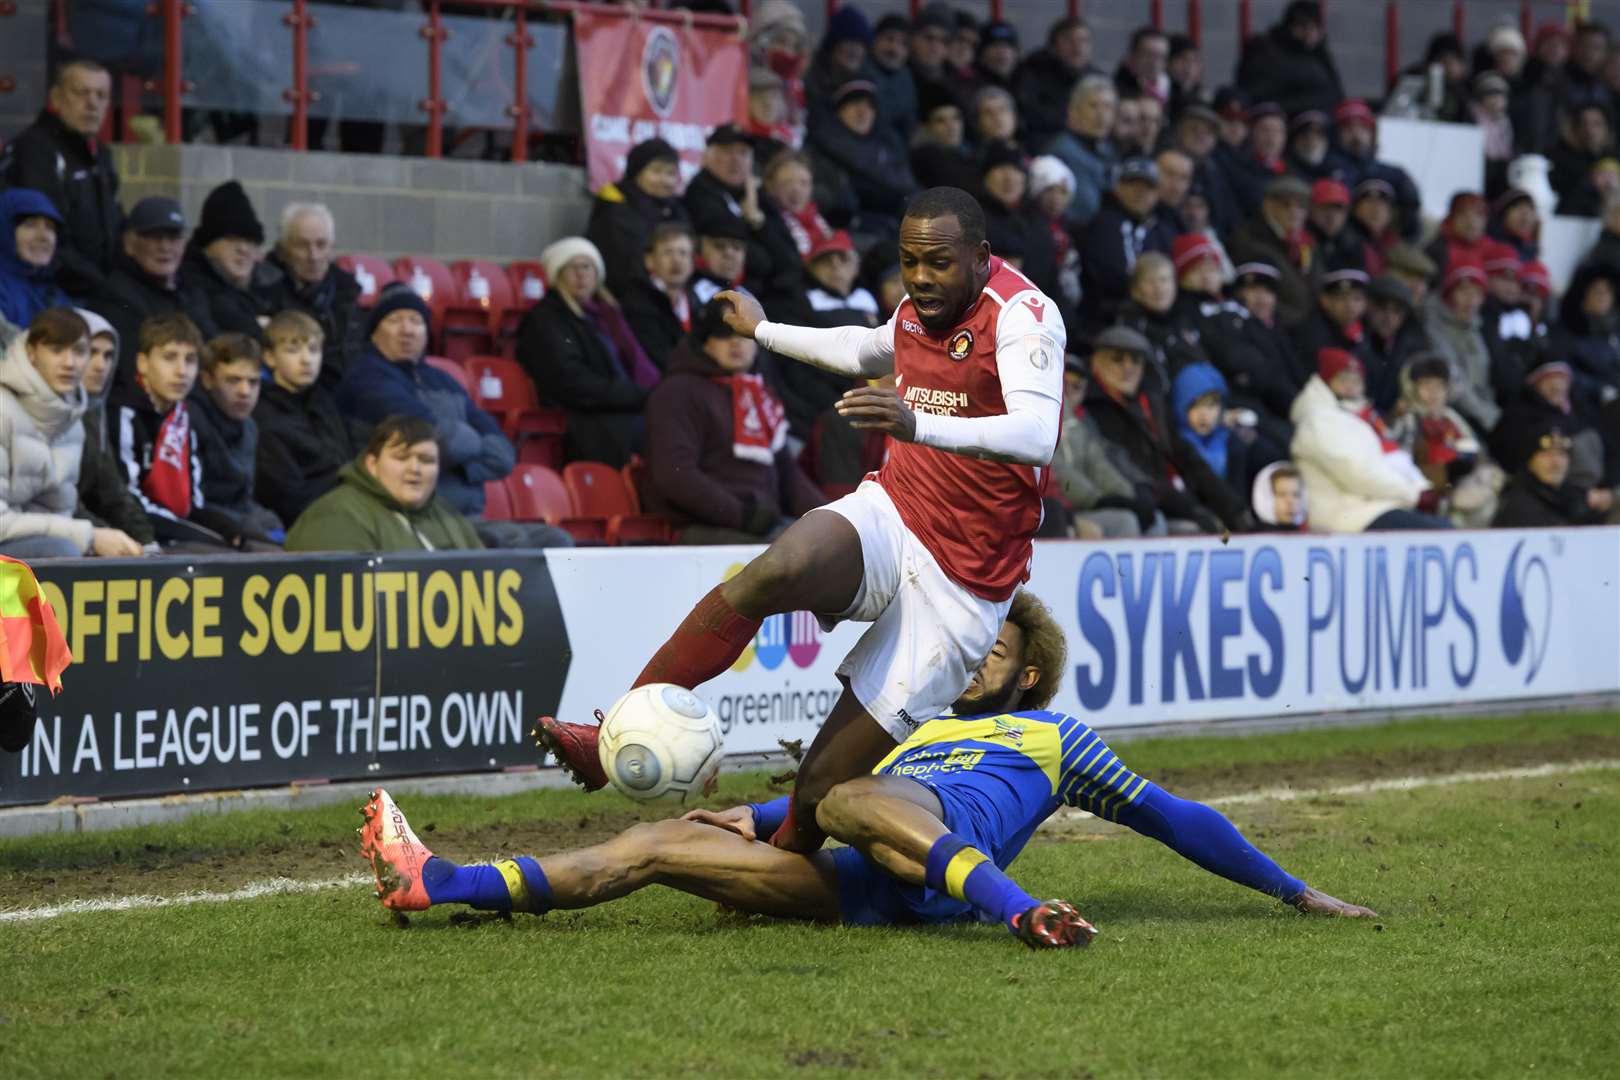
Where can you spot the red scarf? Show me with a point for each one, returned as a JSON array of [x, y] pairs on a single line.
[[1376, 422], [758, 421], [1438, 433], [168, 479], [808, 227]]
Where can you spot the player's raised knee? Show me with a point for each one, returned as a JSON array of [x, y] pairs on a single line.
[[838, 812]]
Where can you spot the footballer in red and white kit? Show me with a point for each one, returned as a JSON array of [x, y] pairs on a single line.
[[929, 549]]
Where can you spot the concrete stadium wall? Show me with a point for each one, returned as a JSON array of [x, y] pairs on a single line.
[[384, 205]]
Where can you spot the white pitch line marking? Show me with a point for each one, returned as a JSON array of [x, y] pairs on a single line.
[[270, 887], [285, 886]]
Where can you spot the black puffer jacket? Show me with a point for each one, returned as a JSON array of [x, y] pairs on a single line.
[[58, 162], [303, 442], [622, 218], [1111, 245], [334, 302], [233, 308], [1254, 357]]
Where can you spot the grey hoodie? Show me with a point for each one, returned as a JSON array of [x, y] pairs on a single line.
[[104, 498]]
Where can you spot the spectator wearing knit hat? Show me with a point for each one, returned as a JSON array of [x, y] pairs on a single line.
[[717, 450], [997, 57], [929, 60], [1358, 476], [842, 56], [1452, 322], [1185, 67], [578, 349], [1541, 494], [390, 378], [1355, 159], [222, 258], [1308, 146], [624, 213]]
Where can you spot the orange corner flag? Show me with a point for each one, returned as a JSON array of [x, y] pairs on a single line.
[[32, 648]]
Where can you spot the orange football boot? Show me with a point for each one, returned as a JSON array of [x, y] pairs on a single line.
[[396, 855]]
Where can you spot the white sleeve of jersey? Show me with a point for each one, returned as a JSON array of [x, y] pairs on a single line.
[[1029, 346], [857, 351]]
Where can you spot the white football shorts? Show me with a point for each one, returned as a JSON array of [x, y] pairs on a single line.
[[928, 635]]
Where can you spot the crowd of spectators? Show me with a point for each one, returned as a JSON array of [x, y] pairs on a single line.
[[1263, 332]]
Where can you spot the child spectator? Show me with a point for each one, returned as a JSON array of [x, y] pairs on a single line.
[[830, 298], [157, 444], [303, 439], [387, 499], [1359, 477], [28, 228], [1225, 438], [1279, 498], [104, 498], [1443, 445], [1541, 493], [41, 440], [717, 451], [227, 437], [659, 308]]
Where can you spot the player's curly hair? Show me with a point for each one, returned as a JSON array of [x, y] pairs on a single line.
[[1045, 647]]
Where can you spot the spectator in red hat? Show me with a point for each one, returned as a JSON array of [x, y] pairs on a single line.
[[1337, 246], [1290, 63], [1372, 218], [1452, 321], [1461, 238], [1513, 336], [1535, 284], [1356, 161], [1358, 476]]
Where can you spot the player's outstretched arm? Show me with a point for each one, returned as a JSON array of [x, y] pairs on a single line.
[[856, 351]]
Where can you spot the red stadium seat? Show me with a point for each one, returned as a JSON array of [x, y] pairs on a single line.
[[486, 286], [497, 501], [452, 369], [504, 390], [634, 474], [371, 272], [538, 494], [528, 281], [599, 491]]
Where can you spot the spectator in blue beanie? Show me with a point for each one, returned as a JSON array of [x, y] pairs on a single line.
[[28, 257]]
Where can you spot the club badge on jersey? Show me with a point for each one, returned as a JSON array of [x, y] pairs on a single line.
[[960, 346]]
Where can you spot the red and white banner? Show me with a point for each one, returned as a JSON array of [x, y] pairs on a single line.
[[639, 79]]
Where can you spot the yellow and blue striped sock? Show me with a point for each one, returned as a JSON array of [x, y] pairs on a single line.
[[959, 869], [509, 885]]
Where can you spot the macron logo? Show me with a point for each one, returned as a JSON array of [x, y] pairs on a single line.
[[910, 327], [1036, 308]]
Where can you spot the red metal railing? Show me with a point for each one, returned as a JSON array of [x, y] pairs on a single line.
[[173, 88]]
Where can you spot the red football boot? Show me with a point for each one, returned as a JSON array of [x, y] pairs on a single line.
[[1052, 924], [574, 747], [396, 855]]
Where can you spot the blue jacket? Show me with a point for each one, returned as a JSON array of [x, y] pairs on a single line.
[[25, 290], [474, 450], [1191, 383]]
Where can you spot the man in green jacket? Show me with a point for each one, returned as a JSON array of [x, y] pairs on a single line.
[[385, 499]]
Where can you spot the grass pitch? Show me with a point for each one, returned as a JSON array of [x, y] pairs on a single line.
[[1496, 953]]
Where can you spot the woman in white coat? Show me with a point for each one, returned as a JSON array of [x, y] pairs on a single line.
[[1359, 478], [42, 442]]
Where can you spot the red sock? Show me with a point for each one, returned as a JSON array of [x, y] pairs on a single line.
[[707, 642], [788, 831]]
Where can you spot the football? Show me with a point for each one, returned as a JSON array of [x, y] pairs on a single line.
[[661, 743]]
